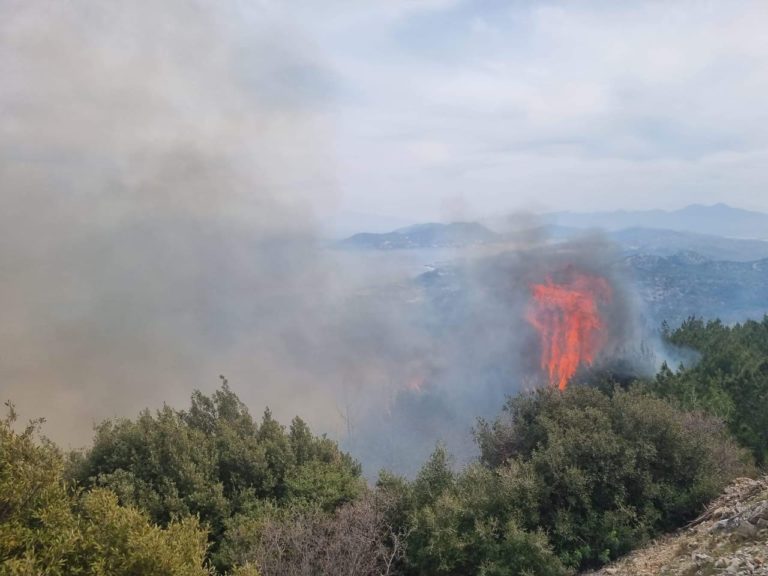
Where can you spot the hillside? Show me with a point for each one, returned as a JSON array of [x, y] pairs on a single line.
[[671, 288], [687, 284], [430, 235], [730, 537]]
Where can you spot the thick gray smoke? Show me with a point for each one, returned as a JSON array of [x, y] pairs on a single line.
[[156, 214], [483, 349], [162, 165]]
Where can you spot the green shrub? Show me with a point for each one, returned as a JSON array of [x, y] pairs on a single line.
[[47, 529], [461, 524], [214, 461], [601, 472], [38, 531], [120, 541], [728, 377], [566, 480]]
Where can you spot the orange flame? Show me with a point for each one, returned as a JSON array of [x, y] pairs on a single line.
[[567, 318]]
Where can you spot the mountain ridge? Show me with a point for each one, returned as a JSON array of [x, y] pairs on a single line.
[[639, 237], [717, 219]]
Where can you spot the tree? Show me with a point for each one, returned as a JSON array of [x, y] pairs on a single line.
[[726, 374], [213, 461], [47, 529], [565, 480], [603, 472]]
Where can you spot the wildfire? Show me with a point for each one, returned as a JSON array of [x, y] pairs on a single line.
[[567, 318]]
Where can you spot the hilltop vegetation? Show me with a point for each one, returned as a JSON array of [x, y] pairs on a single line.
[[47, 527], [728, 379], [214, 462], [564, 481]]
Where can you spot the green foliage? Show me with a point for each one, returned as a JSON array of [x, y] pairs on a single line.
[[566, 480], [38, 531], [245, 570], [604, 472], [214, 461], [461, 526], [727, 378], [47, 529], [121, 541]]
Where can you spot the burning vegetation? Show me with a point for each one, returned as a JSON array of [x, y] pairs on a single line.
[[567, 317]]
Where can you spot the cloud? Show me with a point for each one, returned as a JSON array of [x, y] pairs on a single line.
[[594, 84]]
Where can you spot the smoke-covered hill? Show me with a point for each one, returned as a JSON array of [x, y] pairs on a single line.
[[475, 346], [430, 235], [675, 274], [633, 240], [670, 288]]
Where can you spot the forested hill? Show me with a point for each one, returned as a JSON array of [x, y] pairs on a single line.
[[564, 481], [686, 284]]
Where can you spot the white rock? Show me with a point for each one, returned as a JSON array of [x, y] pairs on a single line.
[[746, 529]]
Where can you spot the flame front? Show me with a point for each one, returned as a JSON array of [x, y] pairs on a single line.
[[567, 318]]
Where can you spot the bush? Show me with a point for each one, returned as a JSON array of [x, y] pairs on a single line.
[[566, 480], [460, 525], [46, 529], [215, 462], [38, 531], [121, 541], [604, 472], [727, 378]]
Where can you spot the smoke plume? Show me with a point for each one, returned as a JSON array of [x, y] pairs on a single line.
[[163, 167], [483, 347], [156, 218]]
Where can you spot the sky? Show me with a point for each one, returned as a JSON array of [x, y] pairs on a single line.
[[451, 109]]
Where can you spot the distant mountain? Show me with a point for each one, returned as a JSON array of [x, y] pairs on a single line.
[[718, 220], [431, 235], [718, 232]]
